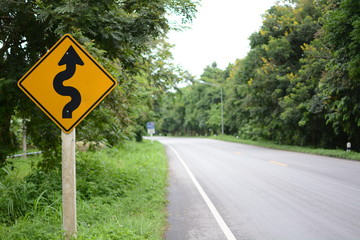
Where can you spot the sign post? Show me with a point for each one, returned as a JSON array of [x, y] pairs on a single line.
[[69, 184], [150, 129], [87, 83]]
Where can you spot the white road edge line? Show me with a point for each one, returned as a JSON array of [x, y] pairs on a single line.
[[226, 230]]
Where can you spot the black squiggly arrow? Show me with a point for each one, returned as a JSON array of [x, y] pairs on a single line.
[[70, 59]]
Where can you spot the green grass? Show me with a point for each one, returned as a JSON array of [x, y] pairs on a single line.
[[24, 166], [121, 194], [338, 153]]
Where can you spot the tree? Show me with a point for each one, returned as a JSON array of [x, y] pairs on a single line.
[[192, 110], [341, 84], [264, 78], [119, 34], [304, 108], [172, 113], [299, 83]]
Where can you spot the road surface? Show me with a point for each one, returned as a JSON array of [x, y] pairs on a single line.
[[221, 190]]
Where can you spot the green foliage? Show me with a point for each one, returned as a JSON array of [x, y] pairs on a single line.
[[269, 72], [99, 178], [112, 232], [189, 111], [159, 76], [121, 194], [214, 119], [124, 36], [299, 83], [24, 197], [341, 83]]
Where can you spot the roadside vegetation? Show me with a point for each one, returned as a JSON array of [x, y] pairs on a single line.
[[128, 38], [121, 188], [338, 153], [121, 194], [298, 85]]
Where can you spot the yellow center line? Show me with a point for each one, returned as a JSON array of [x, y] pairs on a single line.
[[279, 163]]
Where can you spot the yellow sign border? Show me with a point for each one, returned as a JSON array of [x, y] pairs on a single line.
[[66, 130]]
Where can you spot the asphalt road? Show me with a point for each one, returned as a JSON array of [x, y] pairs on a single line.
[[259, 193]]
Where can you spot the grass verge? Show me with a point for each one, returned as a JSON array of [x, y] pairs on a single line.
[[338, 153], [121, 194]]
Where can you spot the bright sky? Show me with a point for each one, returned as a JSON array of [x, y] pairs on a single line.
[[219, 33]]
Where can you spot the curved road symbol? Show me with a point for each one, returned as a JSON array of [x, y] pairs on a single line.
[[70, 59]]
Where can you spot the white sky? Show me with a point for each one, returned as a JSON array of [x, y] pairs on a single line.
[[219, 33]]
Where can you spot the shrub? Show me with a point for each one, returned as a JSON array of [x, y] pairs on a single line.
[[96, 177]]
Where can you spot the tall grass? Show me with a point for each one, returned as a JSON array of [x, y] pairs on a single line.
[[121, 194]]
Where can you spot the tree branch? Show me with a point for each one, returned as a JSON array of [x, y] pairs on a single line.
[[6, 18]]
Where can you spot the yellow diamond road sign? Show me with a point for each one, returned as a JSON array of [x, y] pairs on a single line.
[[67, 83]]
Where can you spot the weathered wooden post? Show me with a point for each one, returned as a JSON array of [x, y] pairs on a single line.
[[69, 184]]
